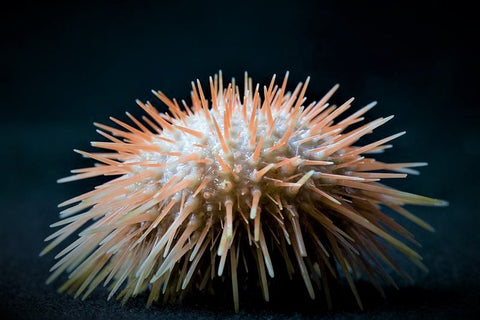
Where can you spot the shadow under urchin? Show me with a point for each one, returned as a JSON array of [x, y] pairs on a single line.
[[236, 187]]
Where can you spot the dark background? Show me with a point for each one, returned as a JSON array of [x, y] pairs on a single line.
[[65, 65]]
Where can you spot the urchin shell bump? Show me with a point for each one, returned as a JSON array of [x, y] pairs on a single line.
[[227, 184]]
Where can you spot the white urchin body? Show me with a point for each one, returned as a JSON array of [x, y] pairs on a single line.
[[233, 177]]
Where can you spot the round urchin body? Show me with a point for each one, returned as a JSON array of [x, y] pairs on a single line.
[[238, 177]]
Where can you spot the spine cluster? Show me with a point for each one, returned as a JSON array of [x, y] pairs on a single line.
[[229, 182]]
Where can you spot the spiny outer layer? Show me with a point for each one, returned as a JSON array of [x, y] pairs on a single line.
[[231, 179]]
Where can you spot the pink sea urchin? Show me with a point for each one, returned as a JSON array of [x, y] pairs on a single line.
[[234, 178]]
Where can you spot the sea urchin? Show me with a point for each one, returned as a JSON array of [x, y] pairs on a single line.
[[231, 179]]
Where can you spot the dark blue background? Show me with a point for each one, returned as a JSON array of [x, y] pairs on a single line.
[[65, 65]]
